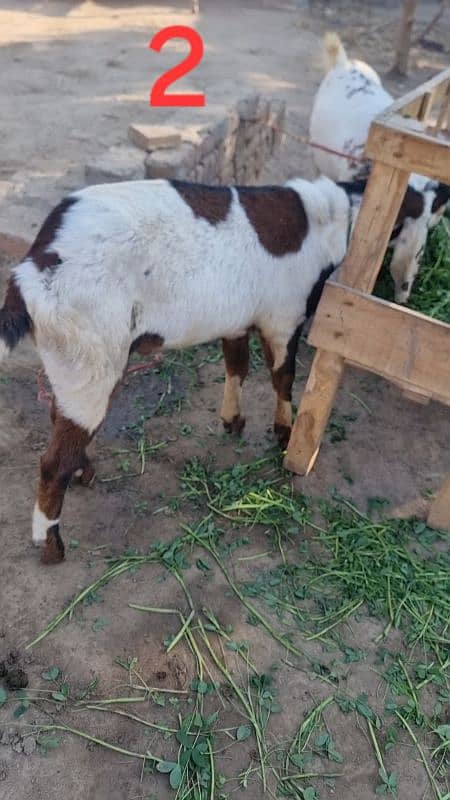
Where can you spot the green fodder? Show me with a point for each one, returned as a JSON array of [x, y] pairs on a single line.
[[431, 290]]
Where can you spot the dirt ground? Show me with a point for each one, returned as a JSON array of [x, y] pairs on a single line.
[[74, 75]]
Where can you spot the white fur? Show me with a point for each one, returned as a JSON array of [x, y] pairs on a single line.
[[348, 99], [41, 524], [137, 251]]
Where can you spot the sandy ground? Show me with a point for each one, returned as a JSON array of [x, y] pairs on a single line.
[[74, 75]]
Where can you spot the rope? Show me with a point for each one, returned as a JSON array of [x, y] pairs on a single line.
[[317, 146]]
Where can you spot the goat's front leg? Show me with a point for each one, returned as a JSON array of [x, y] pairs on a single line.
[[236, 354], [280, 355], [65, 455]]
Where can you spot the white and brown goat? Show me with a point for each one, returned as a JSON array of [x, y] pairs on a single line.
[[153, 265]]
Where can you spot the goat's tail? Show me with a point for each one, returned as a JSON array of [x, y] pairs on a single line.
[[334, 51], [15, 321]]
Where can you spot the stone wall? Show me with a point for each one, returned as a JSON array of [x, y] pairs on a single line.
[[233, 150]]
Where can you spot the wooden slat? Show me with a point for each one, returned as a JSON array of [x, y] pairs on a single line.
[[314, 411], [443, 116], [416, 152], [410, 103], [382, 199], [439, 514], [382, 337], [425, 107]]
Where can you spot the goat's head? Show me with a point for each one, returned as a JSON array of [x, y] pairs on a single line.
[[441, 200]]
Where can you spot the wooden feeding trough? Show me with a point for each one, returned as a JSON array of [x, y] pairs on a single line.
[[352, 326]]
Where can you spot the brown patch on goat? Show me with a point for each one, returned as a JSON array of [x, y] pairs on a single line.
[[236, 355], [442, 197], [282, 380], [40, 252], [53, 551], [278, 216], [15, 321], [208, 202], [412, 206], [65, 454], [147, 344]]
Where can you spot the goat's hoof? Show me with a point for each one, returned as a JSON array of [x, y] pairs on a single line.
[[85, 476], [53, 550], [235, 425], [283, 434]]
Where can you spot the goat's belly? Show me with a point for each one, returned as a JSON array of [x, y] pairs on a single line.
[[185, 324]]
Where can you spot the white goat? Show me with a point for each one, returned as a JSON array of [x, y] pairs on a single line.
[[348, 99]]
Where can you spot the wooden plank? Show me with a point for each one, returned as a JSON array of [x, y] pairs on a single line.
[[444, 112], [439, 514], [416, 397], [425, 107], [382, 337], [419, 153], [382, 199], [412, 100], [314, 410]]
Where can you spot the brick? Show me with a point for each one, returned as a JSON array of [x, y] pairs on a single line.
[[122, 163], [154, 137]]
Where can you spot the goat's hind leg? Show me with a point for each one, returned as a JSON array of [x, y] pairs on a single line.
[[236, 354], [63, 457], [280, 355]]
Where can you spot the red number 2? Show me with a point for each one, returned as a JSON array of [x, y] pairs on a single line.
[[158, 96]]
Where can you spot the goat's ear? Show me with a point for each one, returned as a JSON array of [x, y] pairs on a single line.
[[442, 197]]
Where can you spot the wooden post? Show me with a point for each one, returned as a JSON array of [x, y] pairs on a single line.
[[314, 412], [404, 40], [382, 200]]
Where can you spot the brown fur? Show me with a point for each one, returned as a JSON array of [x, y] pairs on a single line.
[[282, 380], [15, 321], [442, 197], [147, 344], [210, 202], [412, 206], [40, 251], [53, 551], [278, 216], [65, 454], [236, 356]]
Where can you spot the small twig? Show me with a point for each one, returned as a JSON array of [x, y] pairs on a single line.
[[101, 742]]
